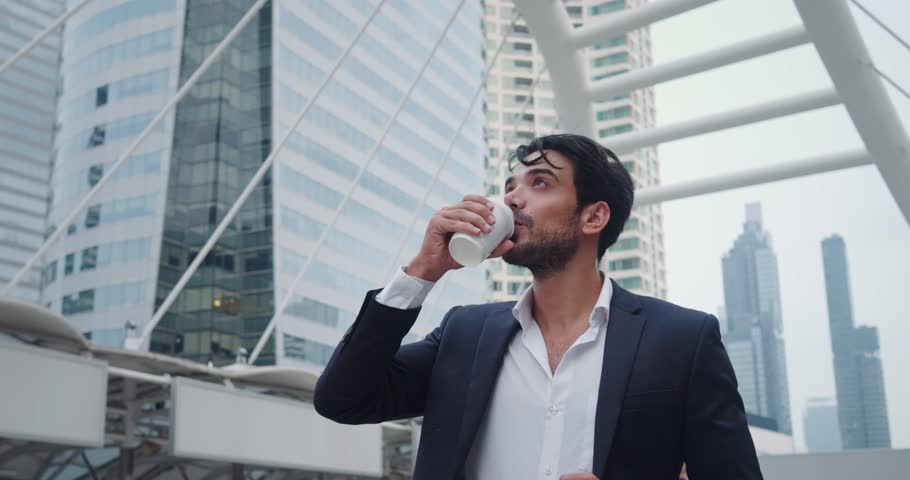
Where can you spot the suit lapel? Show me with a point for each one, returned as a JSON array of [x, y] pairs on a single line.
[[621, 344], [498, 329]]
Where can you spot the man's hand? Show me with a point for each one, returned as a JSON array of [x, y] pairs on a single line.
[[472, 216], [578, 476]]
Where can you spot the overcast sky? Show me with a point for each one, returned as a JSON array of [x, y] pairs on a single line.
[[799, 213]]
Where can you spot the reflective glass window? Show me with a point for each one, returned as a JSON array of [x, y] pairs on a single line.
[[117, 15], [309, 35], [106, 57]]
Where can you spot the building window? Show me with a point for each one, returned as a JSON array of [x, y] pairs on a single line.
[[626, 244], [613, 42], [82, 302], [307, 350], [95, 172], [631, 282], [611, 6], [618, 112], [101, 96], [93, 216], [517, 270], [523, 65], [96, 139], [616, 58], [514, 288], [522, 82], [606, 132], [613, 74], [69, 263], [89, 258], [625, 264], [50, 273], [521, 47], [496, 286]]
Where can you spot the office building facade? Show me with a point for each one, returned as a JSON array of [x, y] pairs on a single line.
[[123, 60], [28, 99]]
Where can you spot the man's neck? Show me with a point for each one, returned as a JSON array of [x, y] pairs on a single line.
[[564, 299]]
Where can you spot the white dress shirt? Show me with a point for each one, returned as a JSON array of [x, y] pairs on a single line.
[[538, 424]]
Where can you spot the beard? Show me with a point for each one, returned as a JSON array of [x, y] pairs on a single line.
[[547, 251]]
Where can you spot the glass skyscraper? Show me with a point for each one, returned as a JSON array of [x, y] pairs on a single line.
[[861, 405], [518, 109], [28, 92], [116, 264], [820, 425], [754, 326]]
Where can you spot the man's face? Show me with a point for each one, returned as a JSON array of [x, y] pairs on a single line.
[[543, 198]]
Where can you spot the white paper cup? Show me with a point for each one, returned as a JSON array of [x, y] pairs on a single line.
[[470, 251]]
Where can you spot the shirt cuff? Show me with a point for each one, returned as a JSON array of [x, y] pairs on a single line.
[[404, 292]]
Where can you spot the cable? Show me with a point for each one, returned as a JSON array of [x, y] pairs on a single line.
[[881, 24], [889, 80]]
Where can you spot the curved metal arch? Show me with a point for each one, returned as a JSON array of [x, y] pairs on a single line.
[[552, 30]]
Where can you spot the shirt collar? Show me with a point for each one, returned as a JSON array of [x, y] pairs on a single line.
[[523, 312]]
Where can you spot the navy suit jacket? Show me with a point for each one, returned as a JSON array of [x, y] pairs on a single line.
[[667, 390]]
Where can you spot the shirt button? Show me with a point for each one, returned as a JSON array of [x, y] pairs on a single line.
[[553, 409], [547, 470]]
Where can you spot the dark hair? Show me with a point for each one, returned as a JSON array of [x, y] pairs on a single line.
[[599, 176]]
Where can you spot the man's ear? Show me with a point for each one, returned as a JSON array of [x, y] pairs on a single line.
[[594, 218]]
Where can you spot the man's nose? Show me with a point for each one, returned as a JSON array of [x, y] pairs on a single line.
[[514, 199]]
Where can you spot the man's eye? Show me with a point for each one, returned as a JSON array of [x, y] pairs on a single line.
[[540, 181]]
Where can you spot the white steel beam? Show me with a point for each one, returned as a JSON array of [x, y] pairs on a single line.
[[632, 19], [842, 50], [550, 25], [754, 176], [628, 142], [621, 84]]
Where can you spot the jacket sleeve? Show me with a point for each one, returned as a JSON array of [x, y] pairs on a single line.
[[718, 445], [371, 377]]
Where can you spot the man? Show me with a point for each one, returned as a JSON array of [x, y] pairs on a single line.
[[580, 379]]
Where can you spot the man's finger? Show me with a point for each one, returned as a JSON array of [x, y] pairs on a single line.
[[479, 199]]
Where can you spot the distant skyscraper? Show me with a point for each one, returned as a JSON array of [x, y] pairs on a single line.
[[518, 109], [28, 98], [820, 426], [862, 409], [754, 326], [123, 60]]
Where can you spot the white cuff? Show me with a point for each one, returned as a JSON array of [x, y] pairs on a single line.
[[404, 292]]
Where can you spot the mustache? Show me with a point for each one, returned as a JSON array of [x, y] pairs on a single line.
[[524, 218]]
